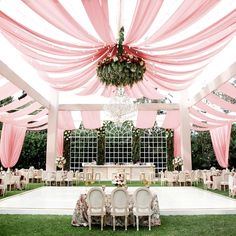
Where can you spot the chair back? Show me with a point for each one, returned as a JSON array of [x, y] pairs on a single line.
[[2, 181], [59, 176], [95, 199], [70, 175], [44, 175], [182, 176], [120, 199], [226, 177], [231, 182], [142, 198]]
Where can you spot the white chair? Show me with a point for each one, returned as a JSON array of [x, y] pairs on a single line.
[[76, 177], [51, 178], [142, 205], [9, 181], [207, 182], [59, 177], [31, 175], [171, 178], [96, 204], [128, 177], [44, 176], [81, 176], [232, 185], [119, 205], [225, 180], [182, 178], [25, 181], [69, 178], [195, 177], [38, 176], [163, 178], [97, 176], [142, 176], [3, 186]]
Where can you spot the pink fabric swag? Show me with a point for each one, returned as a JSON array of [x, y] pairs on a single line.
[[220, 140], [12, 139]]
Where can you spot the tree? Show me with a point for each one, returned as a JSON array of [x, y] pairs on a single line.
[[34, 150]]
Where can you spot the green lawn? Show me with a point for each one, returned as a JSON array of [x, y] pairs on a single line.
[[171, 225]]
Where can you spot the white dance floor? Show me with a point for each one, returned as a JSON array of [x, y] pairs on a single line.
[[172, 201]]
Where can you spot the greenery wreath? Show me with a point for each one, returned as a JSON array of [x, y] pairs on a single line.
[[122, 69]]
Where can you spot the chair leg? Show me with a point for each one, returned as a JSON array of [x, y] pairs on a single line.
[[149, 222], [101, 223], [125, 222], [137, 223], [89, 220], [114, 223]]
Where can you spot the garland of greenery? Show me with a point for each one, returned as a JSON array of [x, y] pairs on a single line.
[[122, 69]]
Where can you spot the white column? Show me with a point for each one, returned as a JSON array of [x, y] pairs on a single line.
[[52, 132], [185, 135]]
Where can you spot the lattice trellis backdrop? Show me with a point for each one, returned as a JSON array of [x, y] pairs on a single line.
[[118, 147], [83, 148], [118, 144], [153, 148]]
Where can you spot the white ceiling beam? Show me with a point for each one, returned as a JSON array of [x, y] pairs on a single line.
[[99, 107], [10, 75], [213, 85]]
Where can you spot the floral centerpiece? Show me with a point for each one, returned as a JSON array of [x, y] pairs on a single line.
[[119, 181], [120, 184], [178, 162], [60, 162], [121, 69]]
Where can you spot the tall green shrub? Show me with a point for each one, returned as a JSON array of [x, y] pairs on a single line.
[[34, 150]]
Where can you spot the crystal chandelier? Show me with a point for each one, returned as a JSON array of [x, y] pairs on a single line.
[[120, 107]]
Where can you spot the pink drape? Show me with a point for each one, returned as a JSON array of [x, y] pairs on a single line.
[[177, 145], [172, 120], [65, 120], [205, 107], [205, 117], [54, 58], [15, 104], [60, 142], [220, 138], [221, 102], [97, 12], [27, 110], [56, 14], [187, 13], [146, 119], [7, 90], [12, 139], [228, 89], [144, 10], [91, 119]]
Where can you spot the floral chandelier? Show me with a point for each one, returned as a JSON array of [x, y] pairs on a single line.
[[121, 69]]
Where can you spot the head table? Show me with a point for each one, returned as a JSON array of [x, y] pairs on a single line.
[[80, 217]]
